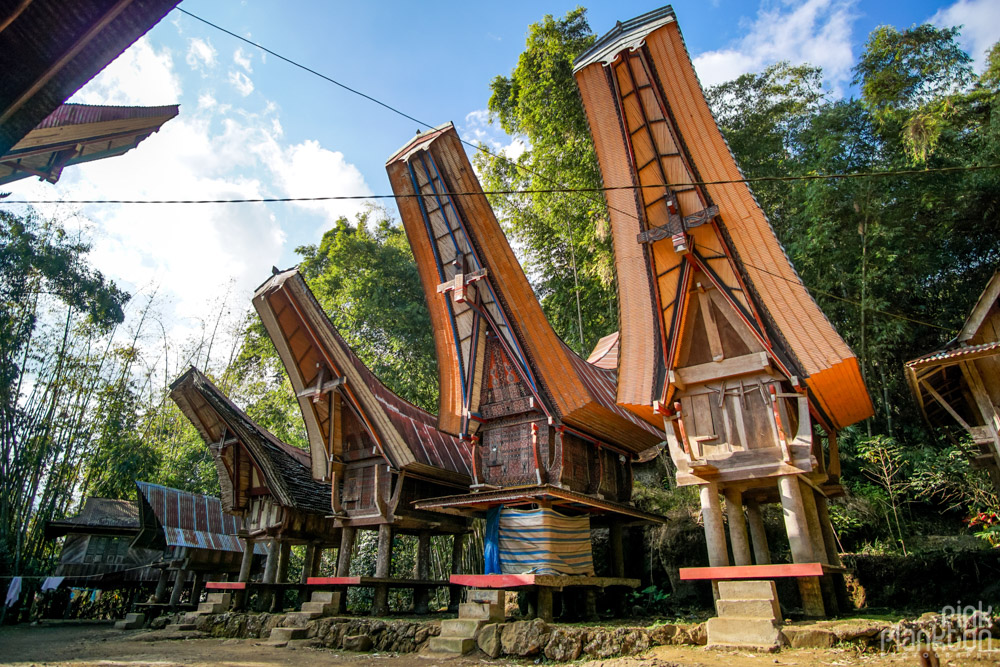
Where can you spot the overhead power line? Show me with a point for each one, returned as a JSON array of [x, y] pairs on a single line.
[[525, 191]]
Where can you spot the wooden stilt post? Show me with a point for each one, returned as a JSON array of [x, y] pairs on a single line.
[[308, 563], [758, 536], [737, 527], [715, 532], [832, 553], [422, 596], [457, 551], [197, 583], [544, 604], [270, 570], [281, 576], [317, 561], [797, 527], [347, 536], [819, 549], [161, 586], [383, 569], [179, 578], [616, 543], [246, 565]]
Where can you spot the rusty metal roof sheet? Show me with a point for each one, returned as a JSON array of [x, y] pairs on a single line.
[[50, 48], [188, 519], [955, 353]]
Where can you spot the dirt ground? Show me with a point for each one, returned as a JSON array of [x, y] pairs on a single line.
[[100, 644]]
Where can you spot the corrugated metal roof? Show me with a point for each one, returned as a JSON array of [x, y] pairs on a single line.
[[81, 114], [192, 519], [52, 47], [605, 353], [108, 512]]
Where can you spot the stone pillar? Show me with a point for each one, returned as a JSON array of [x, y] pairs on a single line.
[[737, 527], [715, 533], [175, 595], [383, 569], [281, 576], [347, 535], [161, 586], [797, 527], [758, 536], [422, 596], [457, 551]]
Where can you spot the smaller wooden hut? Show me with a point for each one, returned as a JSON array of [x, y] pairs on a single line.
[[378, 452], [960, 383], [264, 480]]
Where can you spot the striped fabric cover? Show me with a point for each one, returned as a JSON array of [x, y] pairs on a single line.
[[543, 541]]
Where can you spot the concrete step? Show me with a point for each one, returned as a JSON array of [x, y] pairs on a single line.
[[220, 598], [327, 597], [288, 634], [135, 618], [481, 611], [748, 632], [452, 645], [212, 608], [322, 608], [129, 625], [460, 627], [766, 609], [748, 589], [490, 595]]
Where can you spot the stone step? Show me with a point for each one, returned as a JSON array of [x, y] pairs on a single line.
[[322, 608], [460, 627], [747, 590], [287, 634], [452, 645], [135, 617], [744, 632], [128, 625], [327, 597], [212, 608], [481, 611], [766, 609], [220, 598]]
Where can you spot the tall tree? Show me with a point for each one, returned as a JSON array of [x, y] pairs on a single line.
[[564, 237]]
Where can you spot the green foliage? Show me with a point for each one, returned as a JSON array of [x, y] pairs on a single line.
[[563, 237]]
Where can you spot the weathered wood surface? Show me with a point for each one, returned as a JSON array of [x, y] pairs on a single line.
[[540, 580]]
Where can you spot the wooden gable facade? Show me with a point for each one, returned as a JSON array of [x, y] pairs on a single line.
[[720, 341], [540, 422], [718, 333], [263, 480], [378, 452], [960, 384]]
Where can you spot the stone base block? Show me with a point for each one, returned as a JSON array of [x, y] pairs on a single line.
[[481, 611], [761, 634], [766, 609], [460, 627], [452, 645], [748, 589]]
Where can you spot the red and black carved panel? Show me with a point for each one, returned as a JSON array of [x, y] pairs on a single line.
[[504, 393], [508, 451]]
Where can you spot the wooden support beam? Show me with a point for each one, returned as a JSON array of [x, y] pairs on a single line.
[[616, 543], [715, 532], [716, 370], [758, 536], [347, 536], [383, 569], [737, 527], [944, 404], [457, 552], [711, 327], [987, 409], [797, 528], [422, 570]]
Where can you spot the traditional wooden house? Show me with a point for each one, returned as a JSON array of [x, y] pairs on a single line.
[[77, 133], [720, 341], [378, 452], [265, 481], [196, 538], [48, 52], [539, 423], [97, 551], [960, 383]]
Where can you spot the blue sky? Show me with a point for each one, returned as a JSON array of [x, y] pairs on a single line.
[[251, 125]]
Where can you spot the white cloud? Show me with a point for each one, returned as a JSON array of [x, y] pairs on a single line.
[[980, 21], [139, 76], [478, 128], [241, 82], [201, 53], [817, 32], [243, 59]]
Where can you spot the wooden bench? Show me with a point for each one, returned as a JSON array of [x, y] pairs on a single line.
[[782, 570]]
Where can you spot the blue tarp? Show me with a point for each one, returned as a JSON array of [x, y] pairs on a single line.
[[491, 547]]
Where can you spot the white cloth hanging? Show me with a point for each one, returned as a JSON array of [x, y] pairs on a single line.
[[13, 591], [51, 583]]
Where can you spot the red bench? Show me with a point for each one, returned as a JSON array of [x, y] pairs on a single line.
[[758, 571], [225, 585]]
